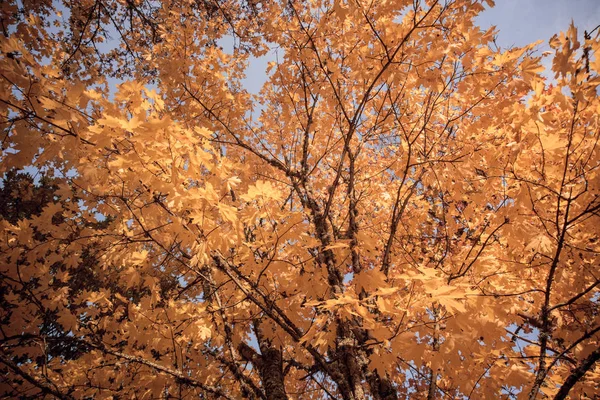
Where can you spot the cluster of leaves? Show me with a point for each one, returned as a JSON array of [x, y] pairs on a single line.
[[403, 211]]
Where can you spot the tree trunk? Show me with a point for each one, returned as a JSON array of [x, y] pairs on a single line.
[[269, 364], [577, 374]]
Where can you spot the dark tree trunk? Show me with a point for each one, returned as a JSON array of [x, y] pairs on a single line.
[[577, 374], [269, 364], [271, 373]]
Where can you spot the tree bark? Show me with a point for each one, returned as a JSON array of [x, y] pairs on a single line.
[[577, 374], [269, 364], [382, 388]]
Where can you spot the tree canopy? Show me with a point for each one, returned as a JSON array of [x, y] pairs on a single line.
[[404, 210]]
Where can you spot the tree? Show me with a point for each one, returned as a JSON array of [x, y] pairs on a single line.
[[403, 211]]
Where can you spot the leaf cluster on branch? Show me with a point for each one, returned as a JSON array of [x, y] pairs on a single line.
[[404, 210]]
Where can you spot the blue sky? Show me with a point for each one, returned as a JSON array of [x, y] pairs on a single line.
[[519, 22], [524, 21]]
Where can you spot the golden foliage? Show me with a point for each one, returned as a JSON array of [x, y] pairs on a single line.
[[403, 211]]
